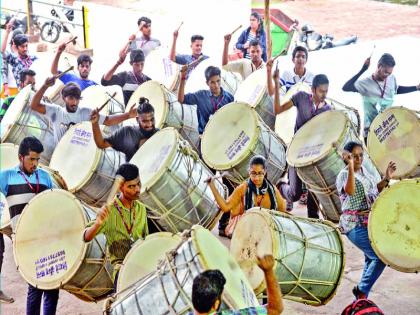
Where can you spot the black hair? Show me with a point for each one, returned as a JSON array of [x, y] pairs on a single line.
[[211, 71], [351, 145], [258, 160], [299, 48], [128, 171], [207, 288], [144, 106], [196, 37], [144, 19], [319, 79], [30, 144], [71, 89], [16, 32], [136, 55], [386, 60], [84, 58], [260, 22], [25, 73], [20, 39], [254, 42]]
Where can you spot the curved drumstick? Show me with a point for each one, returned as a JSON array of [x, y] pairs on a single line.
[[114, 190], [235, 30], [59, 75], [180, 26], [195, 61], [71, 40], [107, 101]]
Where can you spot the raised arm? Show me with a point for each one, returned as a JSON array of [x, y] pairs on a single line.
[[54, 65], [225, 57], [90, 233], [269, 67], [349, 85], [181, 93], [275, 302], [9, 27], [350, 186], [36, 100], [277, 107], [229, 205], [119, 118], [120, 61], [390, 170], [172, 54]]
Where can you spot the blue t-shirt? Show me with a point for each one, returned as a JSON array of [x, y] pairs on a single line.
[[83, 83]]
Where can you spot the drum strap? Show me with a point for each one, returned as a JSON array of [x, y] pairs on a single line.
[[380, 88], [29, 184]]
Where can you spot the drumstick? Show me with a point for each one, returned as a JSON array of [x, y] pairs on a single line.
[[236, 29], [371, 54], [195, 61], [221, 175], [113, 97], [114, 190], [71, 40], [281, 53], [179, 26], [59, 75], [107, 101]]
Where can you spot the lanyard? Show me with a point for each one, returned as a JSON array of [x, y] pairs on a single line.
[[380, 88], [122, 218], [29, 184], [216, 103], [135, 78]]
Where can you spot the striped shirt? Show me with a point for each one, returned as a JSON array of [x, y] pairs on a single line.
[[290, 78], [248, 40], [18, 192]]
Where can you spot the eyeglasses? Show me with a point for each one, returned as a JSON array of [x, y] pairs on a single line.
[[254, 174]]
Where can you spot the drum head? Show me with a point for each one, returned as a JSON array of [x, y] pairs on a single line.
[[285, 122], [155, 155], [229, 136], [76, 156], [4, 212], [95, 96], [49, 246], [253, 88], [157, 96], [144, 256], [214, 255], [162, 69], [394, 136], [394, 226], [8, 155], [244, 246], [316, 138], [197, 79], [21, 100]]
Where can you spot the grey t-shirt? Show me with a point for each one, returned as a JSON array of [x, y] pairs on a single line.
[[147, 45]]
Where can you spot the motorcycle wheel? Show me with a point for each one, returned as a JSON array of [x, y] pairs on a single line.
[[50, 32]]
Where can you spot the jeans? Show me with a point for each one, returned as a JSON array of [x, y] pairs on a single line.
[[373, 265], [33, 302]]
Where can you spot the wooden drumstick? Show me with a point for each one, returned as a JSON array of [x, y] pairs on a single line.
[[195, 61], [373, 50], [179, 26], [113, 98], [235, 30], [107, 101], [114, 190], [281, 53], [59, 75], [71, 40], [221, 175]]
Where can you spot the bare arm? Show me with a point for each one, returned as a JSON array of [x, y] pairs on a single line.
[[181, 93], [281, 202], [6, 36], [282, 108], [350, 186], [100, 142], [270, 87], [229, 205], [172, 54], [36, 100], [54, 65], [275, 302], [91, 231], [392, 167], [122, 56], [225, 58]]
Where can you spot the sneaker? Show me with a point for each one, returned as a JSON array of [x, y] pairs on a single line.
[[5, 299], [358, 294], [303, 198]]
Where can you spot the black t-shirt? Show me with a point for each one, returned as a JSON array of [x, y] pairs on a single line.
[[127, 140]]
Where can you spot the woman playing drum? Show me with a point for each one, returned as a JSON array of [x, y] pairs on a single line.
[[257, 191], [358, 189]]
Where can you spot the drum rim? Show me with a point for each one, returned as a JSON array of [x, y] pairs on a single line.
[[410, 112], [7, 223], [10, 145], [78, 261], [413, 181], [241, 157], [262, 92], [98, 154], [327, 152]]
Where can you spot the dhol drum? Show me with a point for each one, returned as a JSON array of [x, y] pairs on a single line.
[[309, 254], [20, 122], [50, 252], [253, 91], [143, 258], [5, 225], [88, 171], [168, 289], [8, 155], [173, 183], [168, 111], [229, 81], [394, 136], [234, 135], [315, 152], [394, 226], [162, 69]]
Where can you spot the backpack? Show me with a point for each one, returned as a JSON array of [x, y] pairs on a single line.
[[362, 307]]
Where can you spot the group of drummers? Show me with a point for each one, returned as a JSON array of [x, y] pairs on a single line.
[[167, 156]]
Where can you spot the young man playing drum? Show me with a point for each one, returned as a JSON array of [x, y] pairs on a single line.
[[145, 41], [308, 106], [20, 184], [299, 72], [124, 221], [128, 139], [208, 288]]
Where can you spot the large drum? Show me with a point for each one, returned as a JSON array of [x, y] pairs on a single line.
[[315, 152], [5, 225], [173, 183], [253, 91], [168, 111], [143, 258], [394, 226], [20, 122], [309, 254], [394, 136], [229, 81], [88, 171], [162, 69], [50, 252], [168, 289], [234, 135], [8, 155]]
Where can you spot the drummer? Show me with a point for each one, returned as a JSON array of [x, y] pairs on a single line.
[[124, 221], [27, 77], [128, 139], [207, 101], [63, 118], [207, 290], [307, 106], [128, 80], [377, 90], [257, 191], [299, 73], [196, 52], [20, 184], [358, 189], [84, 64], [145, 41], [244, 66]]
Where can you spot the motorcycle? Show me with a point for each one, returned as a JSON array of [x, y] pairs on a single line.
[[50, 31], [19, 21]]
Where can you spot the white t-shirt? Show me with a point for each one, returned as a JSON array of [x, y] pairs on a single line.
[[290, 78], [242, 66]]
